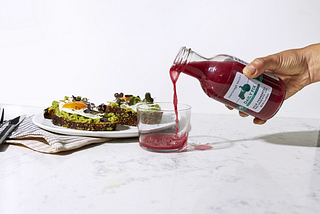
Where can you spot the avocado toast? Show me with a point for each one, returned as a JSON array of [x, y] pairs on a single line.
[[77, 113], [125, 107]]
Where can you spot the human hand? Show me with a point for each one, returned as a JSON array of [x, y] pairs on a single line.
[[296, 67]]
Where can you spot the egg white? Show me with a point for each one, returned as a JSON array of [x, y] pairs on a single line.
[[79, 112], [126, 106]]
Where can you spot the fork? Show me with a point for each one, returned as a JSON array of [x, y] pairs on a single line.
[[2, 118]]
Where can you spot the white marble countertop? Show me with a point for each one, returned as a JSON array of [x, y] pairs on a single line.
[[273, 168]]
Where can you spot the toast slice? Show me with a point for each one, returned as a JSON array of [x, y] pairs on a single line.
[[126, 117], [63, 122], [125, 107], [89, 118]]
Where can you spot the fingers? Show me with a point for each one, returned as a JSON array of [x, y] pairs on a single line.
[[259, 65], [255, 120], [230, 108], [242, 114], [259, 121]]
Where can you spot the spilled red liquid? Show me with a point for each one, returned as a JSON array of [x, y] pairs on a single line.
[[202, 147]]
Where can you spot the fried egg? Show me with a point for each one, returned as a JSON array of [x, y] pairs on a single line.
[[127, 106], [77, 107]]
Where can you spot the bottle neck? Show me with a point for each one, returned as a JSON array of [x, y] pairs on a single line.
[[185, 60]]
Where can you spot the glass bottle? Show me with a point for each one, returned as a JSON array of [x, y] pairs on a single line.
[[221, 78]]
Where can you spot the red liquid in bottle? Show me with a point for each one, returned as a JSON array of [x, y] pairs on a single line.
[[216, 78]]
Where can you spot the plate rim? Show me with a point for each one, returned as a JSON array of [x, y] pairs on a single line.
[[38, 120]]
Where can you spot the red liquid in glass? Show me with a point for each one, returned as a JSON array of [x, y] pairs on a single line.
[[164, 141], [217, 77]]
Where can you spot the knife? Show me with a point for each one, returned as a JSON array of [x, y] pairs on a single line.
[[10, 127]]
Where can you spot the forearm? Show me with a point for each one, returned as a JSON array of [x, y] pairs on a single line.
[[312, 54]]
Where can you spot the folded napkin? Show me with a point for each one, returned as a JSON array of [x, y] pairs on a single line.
[[33, 137]]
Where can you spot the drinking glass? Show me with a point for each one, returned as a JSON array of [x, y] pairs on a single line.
[[162, 128]]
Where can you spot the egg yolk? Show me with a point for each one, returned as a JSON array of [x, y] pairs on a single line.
[[75, 105], [126, 98]]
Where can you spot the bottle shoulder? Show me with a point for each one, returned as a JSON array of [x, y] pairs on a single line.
[[222, 58], [219, 71]]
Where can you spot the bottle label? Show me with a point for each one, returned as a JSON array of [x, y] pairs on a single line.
[[240, 61], [248, 93], [265, 73], [271, 75]]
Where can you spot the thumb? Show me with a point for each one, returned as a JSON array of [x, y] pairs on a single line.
[[260, 65]]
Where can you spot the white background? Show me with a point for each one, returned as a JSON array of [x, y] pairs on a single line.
[[49, 49]]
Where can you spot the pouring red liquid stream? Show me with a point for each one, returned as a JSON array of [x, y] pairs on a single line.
[[167, 141], [174, 75]]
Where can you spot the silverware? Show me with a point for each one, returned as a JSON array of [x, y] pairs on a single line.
[[10, 127], [2, 118]]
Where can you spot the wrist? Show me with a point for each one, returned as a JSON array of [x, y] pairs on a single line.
[[312, 56]]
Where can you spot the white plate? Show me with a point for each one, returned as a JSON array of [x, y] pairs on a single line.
[[120, 132], [167, 121]]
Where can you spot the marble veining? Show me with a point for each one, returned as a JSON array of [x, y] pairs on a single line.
[[274, 168]]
